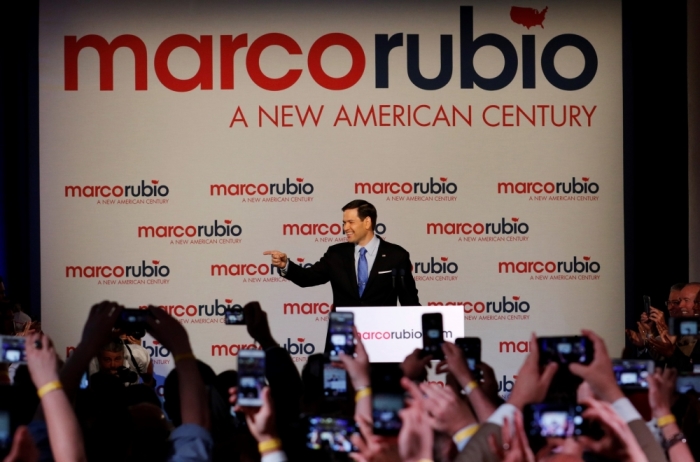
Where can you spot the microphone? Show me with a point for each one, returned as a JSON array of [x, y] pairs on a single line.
[[393, 278], [402, 272]]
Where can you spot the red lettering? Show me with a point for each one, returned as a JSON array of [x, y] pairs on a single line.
[[202, 79], [252, 62], [357, 67]]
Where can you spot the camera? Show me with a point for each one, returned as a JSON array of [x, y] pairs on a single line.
[[565, 350], [684, 326], [126, 375], [12, 349], [330, 433], [234, 316], [133, 321], [632, 374]]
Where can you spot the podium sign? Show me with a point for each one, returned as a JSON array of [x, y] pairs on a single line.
[[390, 333]]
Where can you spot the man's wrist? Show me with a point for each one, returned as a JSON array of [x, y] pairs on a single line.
[[612, 395], [660, 412]]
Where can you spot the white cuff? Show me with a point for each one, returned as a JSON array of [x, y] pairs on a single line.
[[504, 411], [625, 409], [283, 271], [277, 456]]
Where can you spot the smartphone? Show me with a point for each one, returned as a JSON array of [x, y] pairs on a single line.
[[471, 348], [553, 420], [647, 304], [84, 382], [684, 326], [330, 433], [340, 335], [335, 382], [234, 316], [133, 316], [5, 432], [12, 349], [251, 377], [565, 350], [633, 374], [433, 335], [387, 398], [688, 382]]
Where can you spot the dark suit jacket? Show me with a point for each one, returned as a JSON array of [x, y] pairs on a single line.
[[385, 284]]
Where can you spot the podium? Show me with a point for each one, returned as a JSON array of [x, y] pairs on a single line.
[[390, 333]]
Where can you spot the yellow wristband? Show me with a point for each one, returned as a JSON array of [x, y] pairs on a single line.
[[48, 388], [466, 433], [178, 358], [362, 393], [665, 420], [269, 445], [470, 387]]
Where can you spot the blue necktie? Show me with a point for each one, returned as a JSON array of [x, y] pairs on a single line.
[[362, 272]]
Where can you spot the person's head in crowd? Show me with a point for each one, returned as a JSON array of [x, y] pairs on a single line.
[[674, 300], [7, 319], [111, 357], [225, 381], [142, 394], [171, 390], [150, 433], [687, 298]]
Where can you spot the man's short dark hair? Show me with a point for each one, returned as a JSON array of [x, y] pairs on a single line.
[[677, 287], [364, 210]]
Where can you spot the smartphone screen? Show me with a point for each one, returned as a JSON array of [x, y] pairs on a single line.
[[432, 335], [12, 349], [133, 316], [565, 350], [632, 374], [686, 383], [387, 398], [340, 335], [251, 377], [330, 433], [335, 382], [234, 316], [84, 382], [553, 420], [471, 348]]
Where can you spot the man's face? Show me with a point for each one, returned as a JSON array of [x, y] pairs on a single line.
[[357, 231], [687, 297], [110, 361], [673, 304]]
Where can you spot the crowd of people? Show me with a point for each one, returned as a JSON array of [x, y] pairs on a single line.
[[52, 417]]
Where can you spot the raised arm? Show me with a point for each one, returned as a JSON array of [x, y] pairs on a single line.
[[65, 436]]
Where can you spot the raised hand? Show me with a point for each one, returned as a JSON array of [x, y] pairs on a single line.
[[168, 331], [100, 322], [279, 259], [532, 386], [657, 316], [599, 373], [257, 324]]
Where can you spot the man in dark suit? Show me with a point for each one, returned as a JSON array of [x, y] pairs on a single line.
[[365, 271]]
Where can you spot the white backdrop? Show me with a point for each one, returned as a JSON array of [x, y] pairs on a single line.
[[507, 192]]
